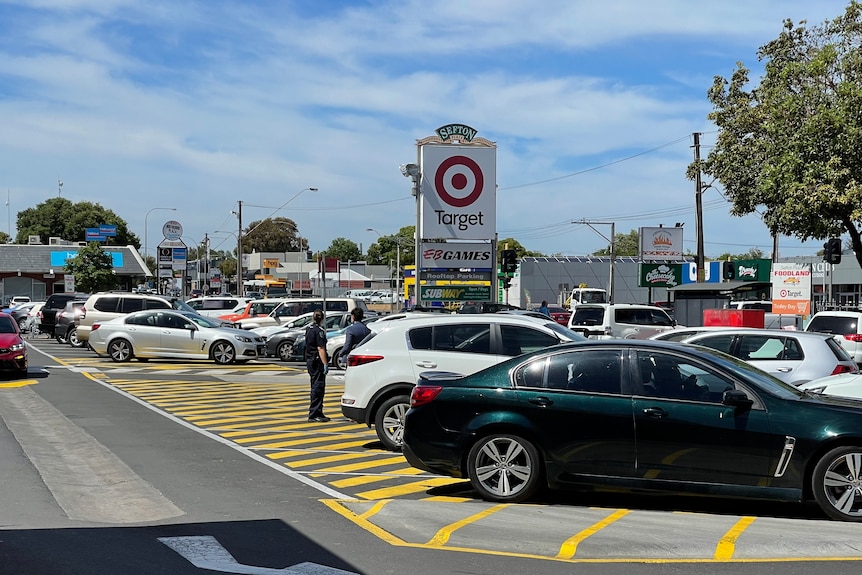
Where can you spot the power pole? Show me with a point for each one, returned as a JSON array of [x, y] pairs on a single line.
[[698, 202], [239, 278]]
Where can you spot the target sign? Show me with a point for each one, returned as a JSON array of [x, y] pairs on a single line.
[[458, 192]]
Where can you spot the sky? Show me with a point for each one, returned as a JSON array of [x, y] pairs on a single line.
[[185, 110]]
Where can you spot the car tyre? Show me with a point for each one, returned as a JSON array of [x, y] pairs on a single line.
[[504, 468], [72, 338], [223, 353], [837, 483], [339, 362], [284, 351], [120, 350], [389, 421], [61, 339]]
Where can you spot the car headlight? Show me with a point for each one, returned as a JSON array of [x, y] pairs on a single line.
[[243, 338], [17, 346]]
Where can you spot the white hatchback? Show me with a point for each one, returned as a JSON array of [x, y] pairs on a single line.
[[619, 321], [383, 369]]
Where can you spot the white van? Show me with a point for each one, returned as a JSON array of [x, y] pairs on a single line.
[[290, 308]]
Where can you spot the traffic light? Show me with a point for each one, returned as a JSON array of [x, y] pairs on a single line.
[[507, 282], [508, 261], [832, 251], [728, 270]]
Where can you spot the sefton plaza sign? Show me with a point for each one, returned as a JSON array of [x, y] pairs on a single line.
[[459, 192]]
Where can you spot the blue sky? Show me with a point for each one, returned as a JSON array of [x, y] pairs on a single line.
[[200, 105]]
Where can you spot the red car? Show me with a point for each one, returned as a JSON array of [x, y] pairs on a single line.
[[559, 314], [13, 350]]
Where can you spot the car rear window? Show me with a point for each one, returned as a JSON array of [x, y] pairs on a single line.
[[838, 350], [588, 316], [834, 324]]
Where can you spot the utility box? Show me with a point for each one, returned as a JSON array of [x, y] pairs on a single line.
[[734, 317]]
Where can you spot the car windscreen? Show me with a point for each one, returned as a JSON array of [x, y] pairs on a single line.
[[182, 306]]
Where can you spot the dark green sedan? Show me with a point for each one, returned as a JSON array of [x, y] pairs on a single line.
[[637, 414]]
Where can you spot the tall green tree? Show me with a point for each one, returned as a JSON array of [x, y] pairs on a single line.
[[93, 269], [59, 217], [343, 249], [789, 146], [514, 244], [386, 248], [624, 245], [271, 235]]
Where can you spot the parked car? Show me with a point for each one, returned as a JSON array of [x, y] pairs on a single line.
[[102, 306], [844, 325], [31, 323], [791, 356], [383, 369], [66, 324], [216, 306], [483, 307], [843, 384], [174, 334], [622, 320], [290, 308], [559, 314], [254, 308], [720, 428], [53, 305], [289, 344], [20, 312], [13, 350]]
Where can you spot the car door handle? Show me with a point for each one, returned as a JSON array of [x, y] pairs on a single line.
[[541, 401], [784, 369], [425, 364], [655, 412]]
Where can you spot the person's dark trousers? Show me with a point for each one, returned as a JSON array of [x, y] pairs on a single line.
[[318, 387]]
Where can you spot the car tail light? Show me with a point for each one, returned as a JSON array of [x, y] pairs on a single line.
[[841, 368], [857, 337], [423, 394], [95, 326], [354, 360], [83, 313]]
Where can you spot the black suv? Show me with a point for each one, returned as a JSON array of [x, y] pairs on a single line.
[[53, 305]]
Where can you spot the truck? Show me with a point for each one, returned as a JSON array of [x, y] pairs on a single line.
[[583, 294]]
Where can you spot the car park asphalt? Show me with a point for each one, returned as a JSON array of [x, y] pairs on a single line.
[[260, 410]]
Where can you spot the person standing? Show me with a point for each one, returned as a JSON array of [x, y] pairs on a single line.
[[318, 366], [544, 308], [355, 333]]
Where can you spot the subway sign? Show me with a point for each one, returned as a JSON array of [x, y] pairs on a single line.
[[456, 293]]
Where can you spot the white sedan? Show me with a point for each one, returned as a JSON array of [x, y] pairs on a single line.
[[173, 334]]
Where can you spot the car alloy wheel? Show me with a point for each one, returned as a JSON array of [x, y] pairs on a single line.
[[285, 350], [339, 361], [389, 421], [223, 353], [837, 483], [72, 338], [120, 350], [504, 468], [61, 339]]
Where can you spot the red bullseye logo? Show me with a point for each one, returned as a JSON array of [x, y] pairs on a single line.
[[459, 181]]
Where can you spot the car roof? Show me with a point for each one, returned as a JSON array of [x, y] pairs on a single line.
[[773, 332]]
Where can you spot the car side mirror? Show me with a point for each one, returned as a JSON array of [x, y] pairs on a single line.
[[736, 398]]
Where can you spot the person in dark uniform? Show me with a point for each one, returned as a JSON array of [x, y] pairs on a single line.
[[318, 366], [355, 333]]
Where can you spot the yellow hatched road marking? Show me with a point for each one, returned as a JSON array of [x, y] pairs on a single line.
[[570, 545], [727, 544], [303, 439], [366, 479], [442, 536], [208, 422], [408, 488]]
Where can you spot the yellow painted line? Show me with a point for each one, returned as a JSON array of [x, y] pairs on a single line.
[[304, 439], [448, 499], [209, 422], [442, 536], [365, 465], [317, 460], [366, 479], [570, 545], [408, 488], [727, 544], [19, 383]]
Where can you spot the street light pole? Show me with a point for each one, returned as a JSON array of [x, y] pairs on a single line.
[[145, 231]]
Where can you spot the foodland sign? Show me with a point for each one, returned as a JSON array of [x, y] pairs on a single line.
[[459, 191], [791, 288]]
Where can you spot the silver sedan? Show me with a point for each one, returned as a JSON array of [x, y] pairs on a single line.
[[173, 334]]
